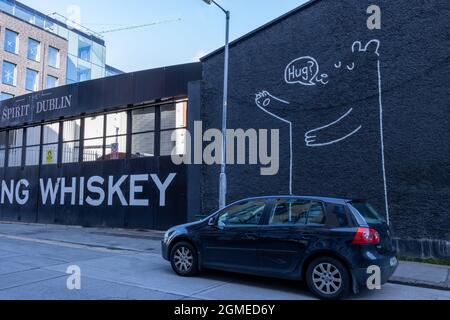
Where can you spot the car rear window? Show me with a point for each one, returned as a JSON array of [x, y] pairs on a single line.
[[368, 212]]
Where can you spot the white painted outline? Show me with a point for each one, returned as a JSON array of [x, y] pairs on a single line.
[[383, 156], [311, 81], [338, 65], [309, 138], [263, 94], [356, 46], [352, 67]]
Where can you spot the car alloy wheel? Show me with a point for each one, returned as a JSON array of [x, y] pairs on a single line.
[[327, 278], [183, 259]]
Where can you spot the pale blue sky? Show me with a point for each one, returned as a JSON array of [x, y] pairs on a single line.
[[201, 29]]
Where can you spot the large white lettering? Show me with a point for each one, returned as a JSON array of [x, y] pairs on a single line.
[[96, 191]]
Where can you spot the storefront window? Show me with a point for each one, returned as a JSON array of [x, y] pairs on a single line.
[[173, 132], [71, 141], [50, 144], [33, 147], [15, 148], [116, 140], [143, 145], [93, 150], [2, 148], [93, 138], [143, 138]]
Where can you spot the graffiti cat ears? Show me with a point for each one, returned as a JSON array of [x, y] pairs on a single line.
[[371, 46]]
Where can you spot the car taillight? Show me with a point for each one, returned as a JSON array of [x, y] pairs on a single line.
[[366, 236]]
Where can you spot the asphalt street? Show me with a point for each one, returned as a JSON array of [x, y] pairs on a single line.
[[127, 265]]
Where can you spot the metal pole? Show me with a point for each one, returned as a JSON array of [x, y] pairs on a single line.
[[223, 174]]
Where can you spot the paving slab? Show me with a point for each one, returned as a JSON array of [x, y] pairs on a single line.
[[91, 289], [27, 277]]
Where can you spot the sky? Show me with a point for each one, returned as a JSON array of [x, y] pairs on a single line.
[[200, 30]]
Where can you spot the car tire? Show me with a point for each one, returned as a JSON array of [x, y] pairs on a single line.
[[328, 279], [184, 260]]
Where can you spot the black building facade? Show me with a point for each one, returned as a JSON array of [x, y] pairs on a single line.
[[97, 153], [365, 111]]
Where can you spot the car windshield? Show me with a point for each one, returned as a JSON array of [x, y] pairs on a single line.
[[369, 213]]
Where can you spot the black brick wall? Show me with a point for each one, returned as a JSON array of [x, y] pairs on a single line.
[[415, 76]]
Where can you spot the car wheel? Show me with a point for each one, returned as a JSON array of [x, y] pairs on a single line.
[[184, 260], [328, 279]]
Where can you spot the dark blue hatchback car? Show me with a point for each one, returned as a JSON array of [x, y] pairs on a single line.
[[332, 244]]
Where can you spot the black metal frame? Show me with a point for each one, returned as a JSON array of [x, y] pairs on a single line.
[[157, 105]]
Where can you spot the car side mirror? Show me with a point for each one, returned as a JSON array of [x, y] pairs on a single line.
[[212, 222]]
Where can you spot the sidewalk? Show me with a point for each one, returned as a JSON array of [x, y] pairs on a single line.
[[408, 273], [422, 275]]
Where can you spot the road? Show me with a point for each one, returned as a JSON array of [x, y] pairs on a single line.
[[127, 265]]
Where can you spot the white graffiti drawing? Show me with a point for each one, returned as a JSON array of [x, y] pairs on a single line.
[[305, 71], [310, 138], [264, 99]]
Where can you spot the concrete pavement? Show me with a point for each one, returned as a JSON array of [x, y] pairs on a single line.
[[122, 264]]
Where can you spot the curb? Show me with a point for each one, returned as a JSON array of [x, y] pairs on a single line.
[[420, 284]]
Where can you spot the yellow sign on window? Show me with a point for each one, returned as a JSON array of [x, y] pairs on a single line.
[[50, 157]]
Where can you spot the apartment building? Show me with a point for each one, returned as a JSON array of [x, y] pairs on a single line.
[[39, 51]]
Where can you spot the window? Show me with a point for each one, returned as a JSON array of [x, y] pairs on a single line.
[[173, 132], [116, 139], [24, 14], [32, 80], [297, 212], [290, 212], [71, 141], [2, 148], [52, 82], [9, 74], [245, 213], [50, 144], [369, 213], [316, 214], [15, 148], [33, 147], [84, 49], [6, 96], [34, 50], [83, 74], [11, 41], [93, 138], [143, 133], [53, 57]]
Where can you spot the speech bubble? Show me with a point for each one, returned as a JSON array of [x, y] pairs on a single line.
[[303, 71]]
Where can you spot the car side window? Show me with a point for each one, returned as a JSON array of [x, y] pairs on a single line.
[[244, 213], [337, 216], [316, 214], [297, 212], [290, 212]]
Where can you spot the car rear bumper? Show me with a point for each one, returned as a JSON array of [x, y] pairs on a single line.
[[362, 275]]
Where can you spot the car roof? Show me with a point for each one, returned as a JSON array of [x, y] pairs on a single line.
[[341, 201]]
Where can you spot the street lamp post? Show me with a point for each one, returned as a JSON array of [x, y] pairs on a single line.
[[223, 173]]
